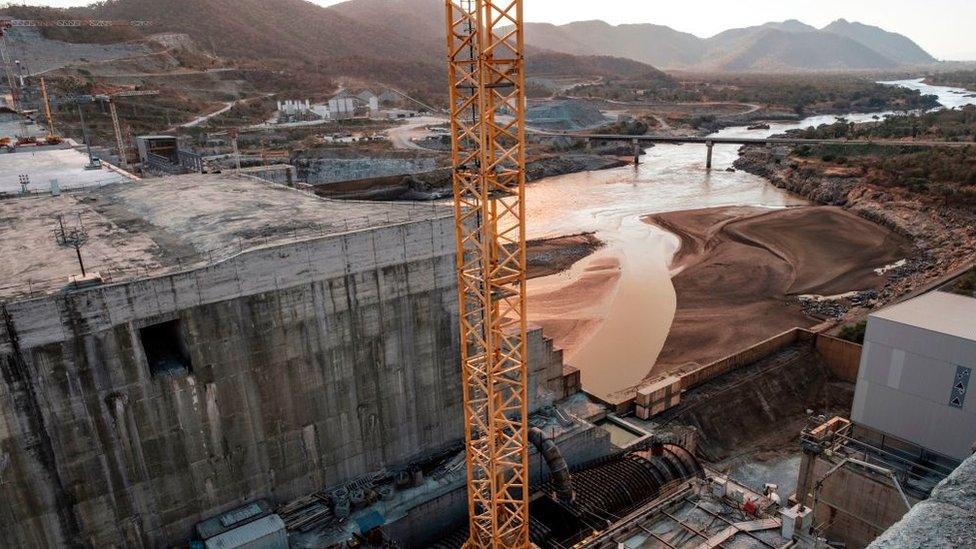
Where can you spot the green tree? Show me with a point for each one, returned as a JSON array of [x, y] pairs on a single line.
[[854, 332], [946, 191], [967, 282]]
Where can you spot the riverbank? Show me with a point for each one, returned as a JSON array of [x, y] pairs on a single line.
[[611, 312], [437, 184], [549, 256], [965, 79], [571, 313], [942, 234], [741, 270]]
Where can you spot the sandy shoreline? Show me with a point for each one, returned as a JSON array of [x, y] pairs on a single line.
[[558, 310], [739, 269], [736, 276], [569, 314]]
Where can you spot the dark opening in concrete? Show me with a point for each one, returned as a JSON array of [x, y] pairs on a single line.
[[165, 349]]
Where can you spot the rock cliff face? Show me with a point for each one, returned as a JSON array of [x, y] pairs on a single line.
[[944, 235]]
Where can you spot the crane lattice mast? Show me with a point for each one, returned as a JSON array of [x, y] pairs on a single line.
[[51, 130], [119, 142], [486, 69]]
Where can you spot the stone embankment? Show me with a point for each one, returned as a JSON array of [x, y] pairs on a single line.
[[943, 235], [436, 184]]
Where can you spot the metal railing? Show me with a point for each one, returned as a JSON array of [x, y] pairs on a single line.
[[160, 164], [42, 191], [919, 474]]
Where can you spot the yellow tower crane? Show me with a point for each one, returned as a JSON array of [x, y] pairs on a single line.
[[487, 93], [42, 23], [52, 132], [116, 128]]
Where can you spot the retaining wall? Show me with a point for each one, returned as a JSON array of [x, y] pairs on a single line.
[[332, 170], [742, 358], [855, 506], [842, 357], [282, 174]]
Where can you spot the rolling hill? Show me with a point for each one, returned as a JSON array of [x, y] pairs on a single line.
[[653, 44], [894, 46], [397, 42], [769, 49], [424, 20], [785, 46], [401, 42]]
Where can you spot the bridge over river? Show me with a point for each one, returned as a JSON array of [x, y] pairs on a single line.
[[711, 141]]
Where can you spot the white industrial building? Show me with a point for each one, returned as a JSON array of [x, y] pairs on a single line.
[[294, 107], [916, 371], [300, 110], [345, 106], [342, 108]]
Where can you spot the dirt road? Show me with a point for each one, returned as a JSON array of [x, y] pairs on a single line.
[[203, 119], [402, 136]]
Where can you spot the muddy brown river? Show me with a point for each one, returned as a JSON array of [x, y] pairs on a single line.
[[611, 311]]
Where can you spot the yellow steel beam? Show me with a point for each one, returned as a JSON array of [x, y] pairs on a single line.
[[51, 130], [119, 143], [486, 70]]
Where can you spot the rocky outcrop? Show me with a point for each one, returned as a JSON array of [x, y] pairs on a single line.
[[773, 164], [943, 235], [436, 184], [571, 163]]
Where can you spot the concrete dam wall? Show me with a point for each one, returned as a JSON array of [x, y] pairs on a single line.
[[129, 412], [317, 171]]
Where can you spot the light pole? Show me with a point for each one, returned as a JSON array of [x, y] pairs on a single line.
[[92, 164], [73, 238]]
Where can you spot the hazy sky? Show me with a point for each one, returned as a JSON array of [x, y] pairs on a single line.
[[943, 27]]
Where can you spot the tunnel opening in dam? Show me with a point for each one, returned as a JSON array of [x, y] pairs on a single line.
[[165, 348]]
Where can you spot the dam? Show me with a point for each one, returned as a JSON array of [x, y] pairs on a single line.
[[233, 340]]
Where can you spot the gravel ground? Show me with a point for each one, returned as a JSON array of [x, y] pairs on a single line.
[[38, 54]]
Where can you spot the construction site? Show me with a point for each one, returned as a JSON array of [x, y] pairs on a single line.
[[366, 321]]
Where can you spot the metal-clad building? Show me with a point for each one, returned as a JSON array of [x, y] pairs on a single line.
[[219, 524], [265, 533], [916, 371]]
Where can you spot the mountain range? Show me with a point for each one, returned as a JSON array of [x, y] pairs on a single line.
[[397, 42], [402, 41], [773, 47]]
